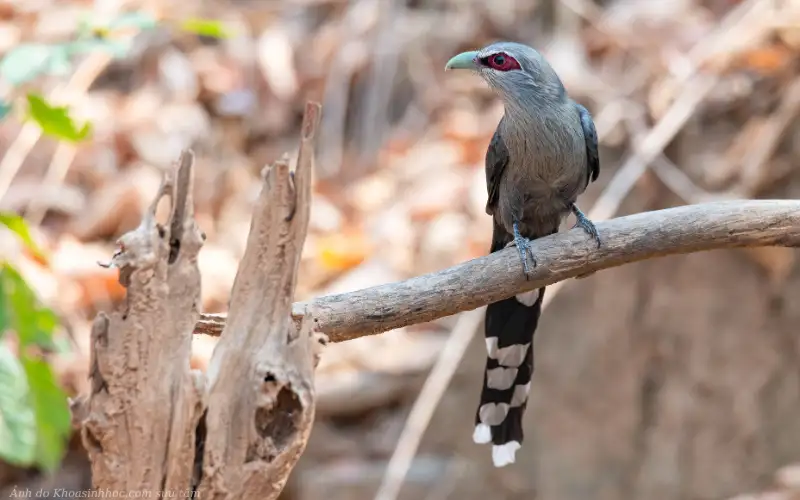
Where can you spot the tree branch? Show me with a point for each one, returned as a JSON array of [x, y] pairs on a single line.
[[692, 228], [139, 425], [261, 375]]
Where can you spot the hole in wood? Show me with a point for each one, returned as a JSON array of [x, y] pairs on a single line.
[[280, 421]]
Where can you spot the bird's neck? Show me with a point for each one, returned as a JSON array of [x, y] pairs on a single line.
[[533, 113]]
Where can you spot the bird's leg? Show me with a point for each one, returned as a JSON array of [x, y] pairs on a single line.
[[584, 223], [524, 248]]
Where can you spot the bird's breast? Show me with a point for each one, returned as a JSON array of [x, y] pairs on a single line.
[[547, 170]]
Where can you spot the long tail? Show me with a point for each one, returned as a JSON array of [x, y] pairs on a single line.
[[510, 325]]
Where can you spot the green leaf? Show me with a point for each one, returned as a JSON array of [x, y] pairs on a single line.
[[59, 63], [84, 26], [62, 344], [140, 20], [29, 60], [206, 27], [52, 412], [5, 108], [33, 323], [17, 225], [25, 62], [55, 120], [117, 48], [17, 418], [5, 308]]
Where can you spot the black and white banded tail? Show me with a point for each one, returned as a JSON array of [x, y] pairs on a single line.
[[509, 329]]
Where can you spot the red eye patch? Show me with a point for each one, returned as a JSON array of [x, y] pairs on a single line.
[[500, 61]]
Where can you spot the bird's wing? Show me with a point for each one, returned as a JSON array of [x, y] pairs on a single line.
[[496, 160], [590, 135]]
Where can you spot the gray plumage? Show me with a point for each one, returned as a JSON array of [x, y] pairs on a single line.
[[541, 158], [544, 151]]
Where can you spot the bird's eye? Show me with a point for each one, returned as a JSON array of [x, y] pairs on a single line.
[[501, 62]]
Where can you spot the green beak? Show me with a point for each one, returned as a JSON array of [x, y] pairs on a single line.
[[465, 60]]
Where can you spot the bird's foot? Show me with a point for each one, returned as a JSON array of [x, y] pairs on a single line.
[[524, 248], [584, 223]]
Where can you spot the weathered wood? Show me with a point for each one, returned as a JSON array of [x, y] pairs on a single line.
[[692, 228], [260, 377], [140, 417], [151, 424]]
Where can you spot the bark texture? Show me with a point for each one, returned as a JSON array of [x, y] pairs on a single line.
[[571, 254], [261, 375], [140, 422], [151, 424]]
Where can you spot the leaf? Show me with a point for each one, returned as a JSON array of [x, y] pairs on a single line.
[[342, 251], [59, 62], [5, 109], [55, 120], [33, 323], [211, 28], [50, 406], [117, 48], [17, 418], [115, 37], [139, 20], [766, 60], [18, 226], [25, 62], [5, 308], [62, 345]]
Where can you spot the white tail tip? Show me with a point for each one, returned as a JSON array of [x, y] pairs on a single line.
[[504, 454], [482, 434]]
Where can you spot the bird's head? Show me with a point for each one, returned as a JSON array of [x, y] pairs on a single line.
[[516, 71]]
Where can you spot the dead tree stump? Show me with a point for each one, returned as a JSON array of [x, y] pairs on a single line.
[[153, 424]]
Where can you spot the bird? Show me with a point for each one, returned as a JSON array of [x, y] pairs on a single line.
[[541, 157]]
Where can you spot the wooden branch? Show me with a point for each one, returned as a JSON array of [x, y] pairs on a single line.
[[261, 389], [145, 402], [480, 281]]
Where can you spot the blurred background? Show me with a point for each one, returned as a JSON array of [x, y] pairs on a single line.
[[676, 378]]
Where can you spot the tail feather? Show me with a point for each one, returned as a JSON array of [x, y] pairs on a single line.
[[507, 379], [510, 325]]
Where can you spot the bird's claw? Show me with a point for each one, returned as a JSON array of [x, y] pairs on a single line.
[[524, 248], [584, 223]]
